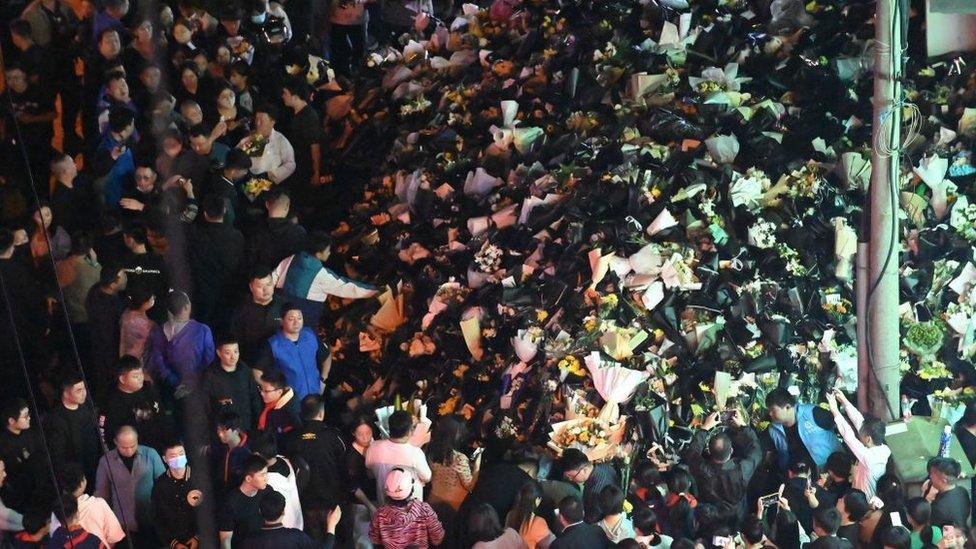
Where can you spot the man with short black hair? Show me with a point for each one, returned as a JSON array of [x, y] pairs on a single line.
[[175, 498], [72, 435], [800, 432], [228, 384], [71, 533], [754, 533], [852, 507], [280, 412], [305, 280], [722, 479], [305, 134], [297, 352], [30, 106], [104, 308], [826, 521], [228, 456], [144, 268], [20, 451], [259, 315], [382, 456], [216, 255], [224, 181], [134, 402], [322, 447], [274, 535], [576, 533], [277, 158], [113, 160], [240, 515], [590, 478]]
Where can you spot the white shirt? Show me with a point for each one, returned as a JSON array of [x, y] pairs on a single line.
[[277, 159], [384, 455], [871, 462]]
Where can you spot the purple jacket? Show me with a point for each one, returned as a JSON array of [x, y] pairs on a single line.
[[183, 359]]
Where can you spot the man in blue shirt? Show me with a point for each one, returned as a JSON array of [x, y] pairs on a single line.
[[114, 164], [297, 352]]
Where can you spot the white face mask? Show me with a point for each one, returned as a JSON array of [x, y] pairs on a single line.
[[179, 462], [259, 19]]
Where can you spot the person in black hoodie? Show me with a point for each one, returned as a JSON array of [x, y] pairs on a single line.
[[134, 402], [228, 384], [216, 250], [72, 435]]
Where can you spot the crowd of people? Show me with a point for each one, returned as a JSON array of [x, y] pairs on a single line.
[[529, 273]]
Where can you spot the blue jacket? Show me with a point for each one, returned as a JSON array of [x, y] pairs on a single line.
[[818, 441], [296, 359]]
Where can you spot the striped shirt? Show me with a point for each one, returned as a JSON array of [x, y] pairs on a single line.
[[399, 527]]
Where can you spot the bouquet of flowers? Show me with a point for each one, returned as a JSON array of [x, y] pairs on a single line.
[[596, 438], [570, 365], [963, 219], [489, 258], [418, 105], [804, 182], [256, 186], [924, 339], [254, 145], [615, 383]]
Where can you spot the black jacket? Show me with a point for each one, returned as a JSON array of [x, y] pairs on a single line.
[[235, 391], [581, 536], [253, 324], [724, 484], [279, 536], [173, 516], [275, 240], [72, 437], [141, 410], [323, 449]]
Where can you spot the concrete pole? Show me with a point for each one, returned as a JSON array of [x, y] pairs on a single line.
[[882, 311]]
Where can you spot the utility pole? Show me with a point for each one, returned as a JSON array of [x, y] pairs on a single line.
[[881, 287]]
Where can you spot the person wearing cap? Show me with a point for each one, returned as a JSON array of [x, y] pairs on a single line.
[[396, 452], [404, 521]]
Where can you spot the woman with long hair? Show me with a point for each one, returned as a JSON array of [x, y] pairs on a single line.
[[487, 532], [454, 474], [524, 520], [136, 325]]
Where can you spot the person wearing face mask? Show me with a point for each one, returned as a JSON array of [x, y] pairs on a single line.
[[269, 23], [133, 469], [175, 498]]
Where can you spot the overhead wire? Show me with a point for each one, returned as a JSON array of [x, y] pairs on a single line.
[[22, 148]]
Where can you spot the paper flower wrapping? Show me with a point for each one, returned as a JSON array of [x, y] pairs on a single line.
[[596, 438]]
